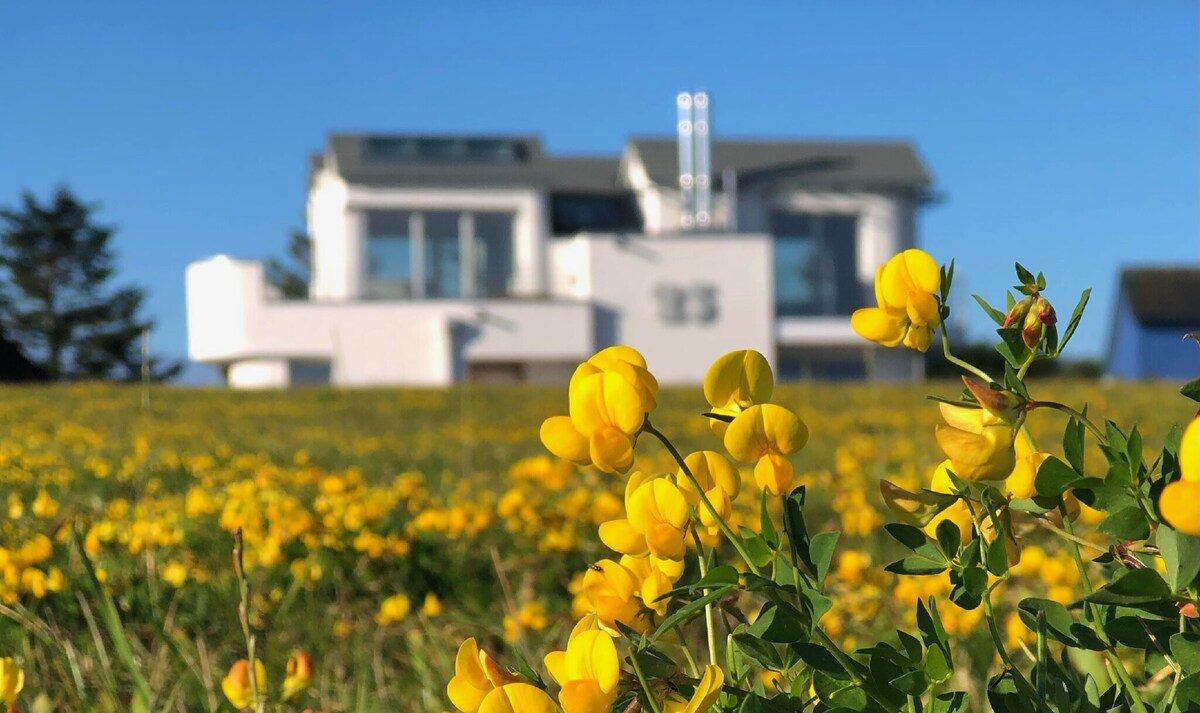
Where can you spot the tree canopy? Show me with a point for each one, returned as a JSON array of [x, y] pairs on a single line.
[[57, 301]]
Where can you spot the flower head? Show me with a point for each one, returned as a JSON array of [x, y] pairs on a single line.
[[475, 676], [764, 434], [237, 686], [588, 672], [299, 675], [12, 680], [978, 442], [517, 698], [907, 311], [703, 697], [734, 383]]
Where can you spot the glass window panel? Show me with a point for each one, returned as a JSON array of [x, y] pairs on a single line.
[[815, 264], [839, 238], [443, 261], [795, 261], [493, 254], [389, 254]]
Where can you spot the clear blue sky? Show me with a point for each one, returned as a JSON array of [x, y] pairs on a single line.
[[1063, 134]]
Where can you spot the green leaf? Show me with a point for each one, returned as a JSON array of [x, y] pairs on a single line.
[[1054, 478], [997, 554], [766, 524], [967, 587], [1185, 647], [1126, 524], [821, 550], [938, 667], [912, 645], [1191, 389], [780, 623], [914, 565], [926, 557], [948, 538], [1073, 444], [912, 683], [1134, 587], [689, 610], [996, 315], [761, 651], [759, 551], [717, 576], [1041, 281], [1025, 277], [655, 663], [1012, 346], [1181, 555], [819, 658], [952, 702], [1073, 323], [1059, 623]]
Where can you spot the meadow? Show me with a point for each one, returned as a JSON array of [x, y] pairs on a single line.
[[382, 527]]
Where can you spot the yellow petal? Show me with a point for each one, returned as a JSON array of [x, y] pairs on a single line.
[[785, 431], [665, 541], [707, 690], [1189, 452], [959, 514], [611, 450], [879, 325], [1180, 506], [922, 269], [745, 439], [669, 503], [918, 338], [593, 656], [963, 418], [517, 698], [618, 351], [556, 666], [617, 535], [560, 437], [741, 377], [711, 469], [584, 696], [895, 282], [922, 309], [773, 473]]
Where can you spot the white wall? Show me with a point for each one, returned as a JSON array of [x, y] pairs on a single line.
[[628, 277], [399, 342]]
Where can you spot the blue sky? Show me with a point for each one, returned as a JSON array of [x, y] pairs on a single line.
[[1062, 134]]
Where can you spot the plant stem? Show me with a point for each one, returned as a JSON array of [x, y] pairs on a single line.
[[244, 617], [1099, 434], [959, 362], [1114, 661], [712, 510], [641, 677], [709, 627]]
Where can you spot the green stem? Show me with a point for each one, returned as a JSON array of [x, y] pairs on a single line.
[[959, 362], [712, 510], [641, 677], [709, 627], [1099, 434], [687, 653], [1094, 618]]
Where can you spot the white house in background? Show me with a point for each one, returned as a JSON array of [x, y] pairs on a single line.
[[443, 258]]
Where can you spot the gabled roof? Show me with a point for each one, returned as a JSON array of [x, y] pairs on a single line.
[[879, 164], [1163, 295], [453, 161]]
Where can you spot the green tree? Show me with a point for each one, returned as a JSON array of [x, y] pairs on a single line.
[[291, 278], [56, 299]]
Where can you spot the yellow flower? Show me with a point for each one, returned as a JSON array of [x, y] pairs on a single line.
[[734, 383], [657, 518], [299, 675], [606, 411], [978, 442], [609, 591], [475, 676], [12, 680], [704, 696], [629, 364], [764, 434], [236, 684], [1020, 483], [394, 608], [958, 513], [1179, 502], [711, 470], [657, 576], [517, 698], [432, 606], [907, 311], [588, 672], [174, 573]]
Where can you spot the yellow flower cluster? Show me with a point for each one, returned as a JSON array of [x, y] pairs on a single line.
[[907, 310]]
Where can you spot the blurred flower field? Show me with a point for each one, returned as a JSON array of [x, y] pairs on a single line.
[[382, 527]]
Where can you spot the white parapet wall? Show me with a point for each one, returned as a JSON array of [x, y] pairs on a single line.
[[233, 322]]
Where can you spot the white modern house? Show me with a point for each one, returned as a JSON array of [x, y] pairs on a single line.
[[443, 258]]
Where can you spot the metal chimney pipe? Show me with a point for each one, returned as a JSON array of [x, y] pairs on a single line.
[[687, 177], [703, 158]]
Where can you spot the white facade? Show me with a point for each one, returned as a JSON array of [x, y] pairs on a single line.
[[430, 272]]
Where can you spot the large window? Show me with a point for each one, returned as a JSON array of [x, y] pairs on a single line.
[[438, 254], [815, 257]]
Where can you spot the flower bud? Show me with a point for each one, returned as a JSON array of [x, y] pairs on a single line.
[[299, 675], [1004, 405], [237, 686], [1018, 312], [1040, 314]]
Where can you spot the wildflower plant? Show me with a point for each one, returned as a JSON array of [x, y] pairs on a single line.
[[692, 614]]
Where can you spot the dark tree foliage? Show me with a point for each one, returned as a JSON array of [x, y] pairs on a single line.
[[291, 278], [56, 300]]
